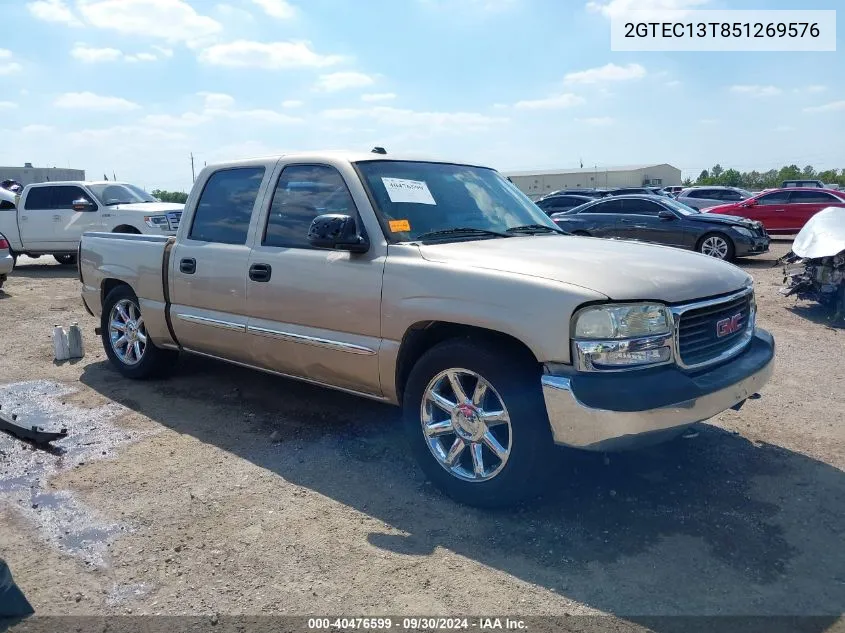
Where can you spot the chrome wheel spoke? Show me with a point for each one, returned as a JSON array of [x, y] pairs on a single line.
[[493, 444], [455, 382], [480, 392], [137, 348], [455, 451], [441, 402], [117, 326], [142, 337], [139, 323], [436, 429], [121, 310], [121, 341], [494, 418], [477, 459]]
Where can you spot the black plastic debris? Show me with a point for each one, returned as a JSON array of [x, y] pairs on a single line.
[[13, 604], [27, 431]]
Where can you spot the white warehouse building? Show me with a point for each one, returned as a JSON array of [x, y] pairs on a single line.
[[539, 183]]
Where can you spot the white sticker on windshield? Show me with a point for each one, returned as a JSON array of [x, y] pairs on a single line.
[[401, 190]]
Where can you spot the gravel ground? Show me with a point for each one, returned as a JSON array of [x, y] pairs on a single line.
[[223, 490]]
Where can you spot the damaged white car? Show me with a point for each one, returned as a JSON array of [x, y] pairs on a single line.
[[815, 267]]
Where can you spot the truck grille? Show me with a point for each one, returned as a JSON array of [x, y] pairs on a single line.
[[173, 218], [714, 331]]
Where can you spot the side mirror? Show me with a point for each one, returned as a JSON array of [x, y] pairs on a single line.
[[666, 215], [751, 202], [337, 232], [82, 204]]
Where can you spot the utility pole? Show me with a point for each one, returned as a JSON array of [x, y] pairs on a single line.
[[193, 174]]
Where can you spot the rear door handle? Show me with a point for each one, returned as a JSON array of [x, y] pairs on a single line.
[[57, 218], [260, 272], [188, 266]]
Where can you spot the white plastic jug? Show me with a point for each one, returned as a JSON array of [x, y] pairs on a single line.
[[76, 349], [60, 346]]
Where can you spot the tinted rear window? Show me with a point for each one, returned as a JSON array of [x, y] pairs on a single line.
[[225, 206]]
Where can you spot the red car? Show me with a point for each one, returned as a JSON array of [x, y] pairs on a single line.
[[783, 211]]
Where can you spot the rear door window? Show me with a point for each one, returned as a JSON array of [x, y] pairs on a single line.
[[607, 206], [641, 207], [39, 198], [225, 206], [811, 197]]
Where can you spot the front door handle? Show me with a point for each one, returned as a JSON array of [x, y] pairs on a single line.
[[260, 272], [57, 218], [188, 266]]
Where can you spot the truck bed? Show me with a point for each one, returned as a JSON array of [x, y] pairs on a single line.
[[137, 260]]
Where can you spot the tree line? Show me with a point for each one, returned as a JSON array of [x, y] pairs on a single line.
[[178, 197], [756, 180]]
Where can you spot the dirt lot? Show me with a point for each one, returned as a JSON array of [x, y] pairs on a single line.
[[225, 490]]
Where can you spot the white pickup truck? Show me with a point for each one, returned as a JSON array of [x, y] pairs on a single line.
[[50, 218]]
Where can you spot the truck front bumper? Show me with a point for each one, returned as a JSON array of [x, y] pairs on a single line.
[[624, 410]]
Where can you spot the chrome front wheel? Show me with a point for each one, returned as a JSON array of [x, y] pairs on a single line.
[[466, 425], [127, 333]]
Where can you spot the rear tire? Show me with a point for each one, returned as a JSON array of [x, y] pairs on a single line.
[[456, 450], [68, 259], [717, 245], [136, 356]]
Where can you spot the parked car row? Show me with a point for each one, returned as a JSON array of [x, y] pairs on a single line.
[[661, 220]]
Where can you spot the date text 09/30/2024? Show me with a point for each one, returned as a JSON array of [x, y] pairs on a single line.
[[417, 623]]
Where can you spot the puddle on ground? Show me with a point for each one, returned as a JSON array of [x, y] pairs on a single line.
[[61, 519]]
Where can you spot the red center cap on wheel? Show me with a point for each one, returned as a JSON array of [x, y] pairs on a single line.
[[467, 410]]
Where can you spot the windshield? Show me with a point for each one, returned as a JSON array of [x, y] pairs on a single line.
[[680, 207], [111, 194], [417, 198]]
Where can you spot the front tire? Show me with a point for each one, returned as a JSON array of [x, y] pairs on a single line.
[[717, 245], [68, 259], [125, 338], [476, 422]]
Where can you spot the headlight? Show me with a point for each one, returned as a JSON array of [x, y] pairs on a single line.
[[156, 221], [743, 231], [622, 336]]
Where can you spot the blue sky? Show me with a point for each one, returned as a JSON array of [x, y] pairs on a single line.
[[132, 87]]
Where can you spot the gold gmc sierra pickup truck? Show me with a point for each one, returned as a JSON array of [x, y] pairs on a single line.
[[441, 288]]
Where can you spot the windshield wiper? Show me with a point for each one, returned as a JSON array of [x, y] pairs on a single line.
[[535, 228], [466, 230]]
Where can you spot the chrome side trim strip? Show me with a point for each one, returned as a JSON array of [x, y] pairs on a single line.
[[225, 325], [310, 340], [310, 381]]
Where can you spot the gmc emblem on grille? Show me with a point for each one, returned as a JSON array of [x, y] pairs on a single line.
[[730, 325]]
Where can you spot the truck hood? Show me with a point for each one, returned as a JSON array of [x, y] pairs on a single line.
[[148, 208], [620, 270], [822, 236]]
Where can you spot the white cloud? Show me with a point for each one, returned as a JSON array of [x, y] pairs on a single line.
[[8, 105], [834, 106], [163, 50], [598, 121], [814, 89], [89, 54], [267, 55], [756, 90], [334, 82], [217, 100], [606, 73], [171, 20], [91, 101], [216, 106], [53, 11], [133, 134], [556, 102], [276, 8], [8, 68], [292, 103], [402, 118], [141, 57], [673, 84], [618, 8], [378, 96], [36, 129]]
